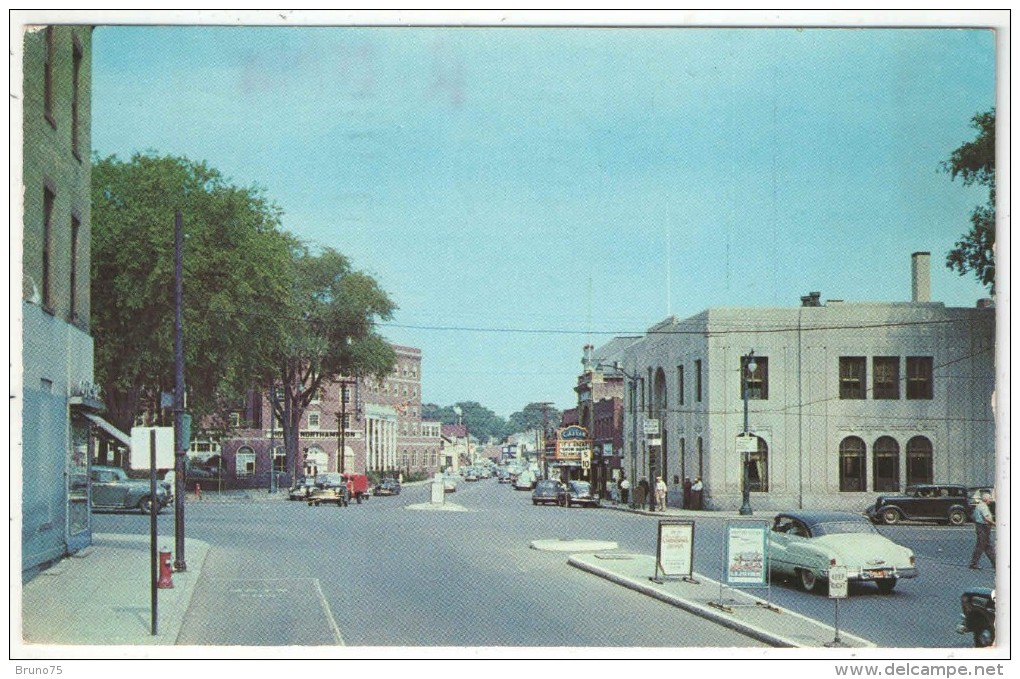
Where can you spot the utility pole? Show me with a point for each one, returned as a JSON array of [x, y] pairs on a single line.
[[181, 446]]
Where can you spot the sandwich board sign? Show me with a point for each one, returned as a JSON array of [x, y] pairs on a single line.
[[674, 555]]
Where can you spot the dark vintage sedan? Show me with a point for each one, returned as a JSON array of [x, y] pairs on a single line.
[[805, 544], [978, 615], [577, 494], [546, 492], [944, 502], [387, 487]]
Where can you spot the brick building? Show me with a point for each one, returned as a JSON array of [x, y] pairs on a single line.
[[383, 431]]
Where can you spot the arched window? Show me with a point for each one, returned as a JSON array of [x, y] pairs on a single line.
[[758, 468], [885, 465], [245, 462], [851, 465], [919, 461]]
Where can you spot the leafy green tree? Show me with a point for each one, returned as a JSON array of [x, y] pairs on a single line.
[[331, 332], [539, 416], [236, 261], [974, 163]]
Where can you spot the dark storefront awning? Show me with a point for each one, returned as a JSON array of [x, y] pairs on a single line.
[[110, 430]]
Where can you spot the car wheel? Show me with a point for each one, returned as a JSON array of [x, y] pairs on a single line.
[[984, 635], [534, 502], [890, 516], [146, 506], [957, 517], [808, 580], [886, 585]]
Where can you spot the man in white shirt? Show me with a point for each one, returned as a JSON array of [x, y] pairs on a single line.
[[983, 522]]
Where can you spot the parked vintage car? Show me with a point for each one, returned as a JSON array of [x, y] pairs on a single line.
[[112, 489], [978, 615], [805, 544], [302, 489], [387, 487], [449, 483], [576, 494], [945, 502], [546, 492]]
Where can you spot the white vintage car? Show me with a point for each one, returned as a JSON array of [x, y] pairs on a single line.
[[806, 544]]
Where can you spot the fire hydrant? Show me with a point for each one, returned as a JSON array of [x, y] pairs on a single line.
[[166, 571], [198, 491]]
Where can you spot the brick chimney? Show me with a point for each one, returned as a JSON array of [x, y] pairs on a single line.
[[921, 277]]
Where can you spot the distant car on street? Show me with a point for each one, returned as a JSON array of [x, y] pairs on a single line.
[[449, 483], [387, 487], [112, 489], [329, 480], [546, 492], [978, 615], [470, 474], [576, 494], [525, 481], [944, 502], [805, 544]]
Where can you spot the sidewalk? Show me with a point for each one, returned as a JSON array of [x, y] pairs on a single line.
[[101, 596]]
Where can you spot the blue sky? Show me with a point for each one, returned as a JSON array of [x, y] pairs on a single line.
[[520, 192]]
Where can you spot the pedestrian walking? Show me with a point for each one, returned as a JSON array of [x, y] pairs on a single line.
[[983, 522], [660, 494], [641, 498], [624, 490]]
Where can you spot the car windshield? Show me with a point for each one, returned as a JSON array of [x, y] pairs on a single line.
[[846, 526], [546, 485], [581, 486]]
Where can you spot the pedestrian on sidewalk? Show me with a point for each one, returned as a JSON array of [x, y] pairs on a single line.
[[641, 494], [696, 492], [983, 522], [660, 494], [624, 489]]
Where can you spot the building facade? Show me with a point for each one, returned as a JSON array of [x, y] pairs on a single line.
[[843, 400], [382, 431], [57, 347]]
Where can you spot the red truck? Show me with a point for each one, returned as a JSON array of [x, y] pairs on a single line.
[[357, 486]]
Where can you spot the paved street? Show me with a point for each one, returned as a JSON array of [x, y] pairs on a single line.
[[379, 574]]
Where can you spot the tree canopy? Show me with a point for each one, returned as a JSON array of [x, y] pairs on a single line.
[[236, 261], [974, 163], [331, 311]]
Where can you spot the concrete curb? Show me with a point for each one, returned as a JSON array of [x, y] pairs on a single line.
[[751, 618]]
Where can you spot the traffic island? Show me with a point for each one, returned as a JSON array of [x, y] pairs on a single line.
[[732, 608], [572, 545]]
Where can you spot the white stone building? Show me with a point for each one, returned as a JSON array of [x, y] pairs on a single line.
[[846, 400]]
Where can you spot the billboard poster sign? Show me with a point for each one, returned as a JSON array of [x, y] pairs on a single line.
[[675, 554], [746, 554]]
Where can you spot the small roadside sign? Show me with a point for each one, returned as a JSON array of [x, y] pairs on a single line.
[[838, 583], [651, 426]]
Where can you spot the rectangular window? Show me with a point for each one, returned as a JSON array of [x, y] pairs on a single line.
[[313, 420], [76, 98], [235, 420], [919, 377], [75, 229], [885, 373], [280, 459], [51, 49], [49, 201], [697, 380], [852, 380], [680, 383], [757, 381]]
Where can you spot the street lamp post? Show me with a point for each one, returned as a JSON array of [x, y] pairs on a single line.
[[747, 368]]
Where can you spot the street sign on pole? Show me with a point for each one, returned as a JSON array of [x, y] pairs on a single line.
[[651, 427], [837, 582], [747, 443]]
